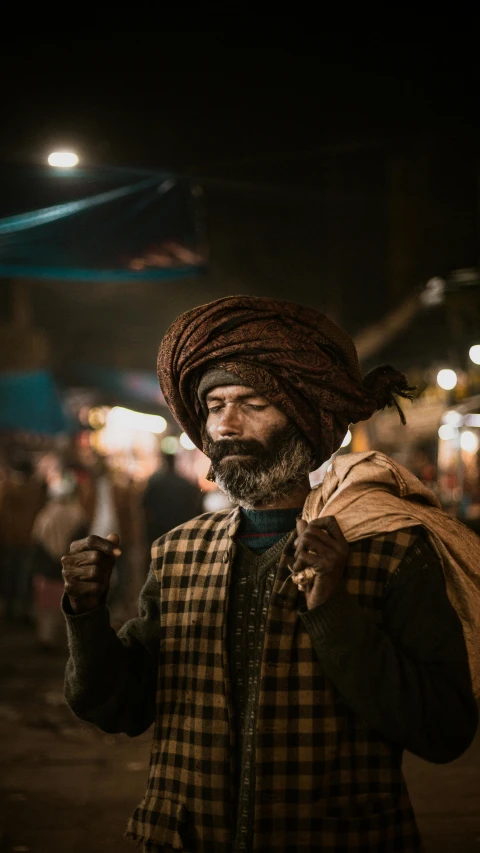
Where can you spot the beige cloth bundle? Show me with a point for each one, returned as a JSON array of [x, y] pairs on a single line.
[[370, 494]]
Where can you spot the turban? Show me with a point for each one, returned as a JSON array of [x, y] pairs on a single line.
[[296, 357]]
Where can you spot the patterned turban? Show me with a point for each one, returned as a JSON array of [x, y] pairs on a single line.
[[294, 356]]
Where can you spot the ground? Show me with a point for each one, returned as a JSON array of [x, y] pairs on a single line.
[[67, 788]]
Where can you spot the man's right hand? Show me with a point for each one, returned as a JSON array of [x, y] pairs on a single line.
[[87, 569]]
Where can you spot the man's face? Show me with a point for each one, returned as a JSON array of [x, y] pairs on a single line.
[[237, 414], [256, 452]]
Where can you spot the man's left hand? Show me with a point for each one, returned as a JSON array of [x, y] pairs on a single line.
[[320, 545]]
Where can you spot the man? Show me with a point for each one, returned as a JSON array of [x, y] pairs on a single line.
[[58, 522], [281, 705], [168, 499], [21, 498], [111, 503]]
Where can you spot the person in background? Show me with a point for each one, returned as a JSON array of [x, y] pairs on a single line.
[[168, 499], [58, 522], [110, 503], [22, 496]]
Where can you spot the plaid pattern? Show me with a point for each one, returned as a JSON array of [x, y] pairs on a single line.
[[324, 781]]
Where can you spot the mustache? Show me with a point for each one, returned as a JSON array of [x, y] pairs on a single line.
[[218, 450], [275, 467]]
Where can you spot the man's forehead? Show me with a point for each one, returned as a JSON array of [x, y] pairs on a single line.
[[222, 391]]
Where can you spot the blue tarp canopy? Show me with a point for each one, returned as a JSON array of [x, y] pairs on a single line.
[[99, 224], [30, 401]]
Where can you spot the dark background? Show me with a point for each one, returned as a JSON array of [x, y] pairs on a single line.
[[340, 169]]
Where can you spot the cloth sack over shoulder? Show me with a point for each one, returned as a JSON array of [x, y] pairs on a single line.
[[370, 494]]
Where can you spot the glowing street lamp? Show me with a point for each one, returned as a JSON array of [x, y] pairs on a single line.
[[63, 159]]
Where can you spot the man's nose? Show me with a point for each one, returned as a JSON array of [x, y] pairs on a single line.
[[229, 423]]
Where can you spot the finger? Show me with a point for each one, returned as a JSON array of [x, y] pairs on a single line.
[[93, 543], [330, 524], [319, 562], [317, 541], [84, 573], [97, 558], [114, 538], [311, 558], [78, 589], [92, 558], [97, 571], [301, 525], [87, 558]]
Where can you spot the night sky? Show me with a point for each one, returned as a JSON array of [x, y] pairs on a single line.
[[195, 101], [292, 139]]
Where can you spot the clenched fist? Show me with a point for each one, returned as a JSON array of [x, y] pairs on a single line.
[[87, 569], [321, 554]]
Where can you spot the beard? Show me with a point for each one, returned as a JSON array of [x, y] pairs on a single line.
[[267, 471]]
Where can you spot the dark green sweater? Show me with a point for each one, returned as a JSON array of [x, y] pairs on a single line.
[[259, 529], [261, 537]]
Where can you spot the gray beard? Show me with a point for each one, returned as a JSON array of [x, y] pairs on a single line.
[[251, 484]]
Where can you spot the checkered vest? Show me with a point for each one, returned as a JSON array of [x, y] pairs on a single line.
[[324, 781]]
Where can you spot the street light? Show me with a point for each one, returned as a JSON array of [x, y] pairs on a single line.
[[63, 159]]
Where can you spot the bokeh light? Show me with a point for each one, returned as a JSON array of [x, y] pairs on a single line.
[[446, 432], [120, 418], [469, 441], [169, 445], [453, 418], [186, 442], [474, 353], [447, 379]]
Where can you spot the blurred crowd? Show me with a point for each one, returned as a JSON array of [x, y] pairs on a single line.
[[49, 499]]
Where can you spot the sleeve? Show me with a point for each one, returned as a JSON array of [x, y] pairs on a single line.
[[408, 679], [110, 679]]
